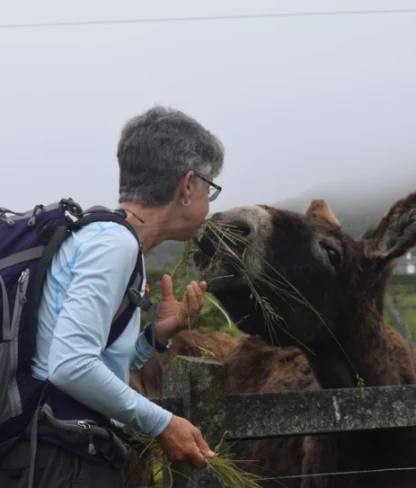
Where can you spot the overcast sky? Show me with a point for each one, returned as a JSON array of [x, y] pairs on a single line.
[[296, 101]]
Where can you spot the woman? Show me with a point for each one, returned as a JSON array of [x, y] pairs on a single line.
[[167, 162]]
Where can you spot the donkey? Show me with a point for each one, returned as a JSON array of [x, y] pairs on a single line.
[[312, 298]]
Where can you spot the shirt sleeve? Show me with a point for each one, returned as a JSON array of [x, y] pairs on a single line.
[[99, 276], [144, 351]]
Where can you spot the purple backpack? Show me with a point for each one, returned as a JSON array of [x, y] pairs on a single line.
[[28, 242]]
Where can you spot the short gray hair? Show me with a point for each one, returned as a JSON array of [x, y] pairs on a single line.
[[157, 148]]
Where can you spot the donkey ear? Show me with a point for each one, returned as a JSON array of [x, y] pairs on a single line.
[[396, 232], [320, 209]]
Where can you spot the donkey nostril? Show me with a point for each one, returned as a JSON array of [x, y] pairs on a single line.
[[242, 228]]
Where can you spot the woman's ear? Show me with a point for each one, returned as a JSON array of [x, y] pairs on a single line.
[[185, 185]]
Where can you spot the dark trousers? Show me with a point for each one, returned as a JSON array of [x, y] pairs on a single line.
[[55, 468]]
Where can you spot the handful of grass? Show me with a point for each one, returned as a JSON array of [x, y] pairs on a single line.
[[229, 475], [221, 465]]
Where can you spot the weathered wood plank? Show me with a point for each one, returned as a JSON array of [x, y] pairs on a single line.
[[289, 413], [320, 412]]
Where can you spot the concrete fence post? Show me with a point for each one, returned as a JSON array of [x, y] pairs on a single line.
[[200, 384]]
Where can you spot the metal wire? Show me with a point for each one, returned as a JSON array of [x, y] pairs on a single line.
[[338, 473], [209, 18]]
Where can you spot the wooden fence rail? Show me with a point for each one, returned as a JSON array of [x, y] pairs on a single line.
[[193, 388]]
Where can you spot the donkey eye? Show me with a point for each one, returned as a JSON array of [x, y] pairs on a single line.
[[333, 255]]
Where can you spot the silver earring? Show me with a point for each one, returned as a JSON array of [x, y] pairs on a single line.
[[185, 204]]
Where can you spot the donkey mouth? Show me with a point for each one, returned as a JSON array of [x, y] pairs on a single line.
[[223, 246], [205, 247], [225, 284]]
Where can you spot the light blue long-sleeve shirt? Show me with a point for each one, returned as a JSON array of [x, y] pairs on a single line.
[[83, 289]]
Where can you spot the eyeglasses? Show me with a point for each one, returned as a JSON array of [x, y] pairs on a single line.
[[214, 190]]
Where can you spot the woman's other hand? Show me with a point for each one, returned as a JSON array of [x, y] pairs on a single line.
[[172, 315]]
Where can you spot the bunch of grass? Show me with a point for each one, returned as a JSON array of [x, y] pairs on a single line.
[[221, 465], [223, 468], [229, 474]]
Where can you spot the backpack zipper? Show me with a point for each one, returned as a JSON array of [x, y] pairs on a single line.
[[20, 300], [87, 425], [91, 446]]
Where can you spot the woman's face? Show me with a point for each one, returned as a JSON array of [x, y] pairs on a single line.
[[203, 191], [198, 207], [201, 199], [197, 192]]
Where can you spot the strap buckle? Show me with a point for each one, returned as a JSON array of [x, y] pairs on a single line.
[[138, 300]]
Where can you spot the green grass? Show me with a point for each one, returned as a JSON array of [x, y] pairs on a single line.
[[403, 289], [404, 279]]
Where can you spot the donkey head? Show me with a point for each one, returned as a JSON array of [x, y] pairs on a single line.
[[291, 278]]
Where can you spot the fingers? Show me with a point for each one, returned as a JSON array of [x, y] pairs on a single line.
[[191, 302], [183, 442], [167, 287], [194, 299], [200, 451], [195, 295], [193, 290], [203, 446], [197, 460], [194, 458], [199, 293]]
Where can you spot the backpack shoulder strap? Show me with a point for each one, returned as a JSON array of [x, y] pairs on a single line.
[[132, 297], [131, 300], [58, 237], [103, 214]]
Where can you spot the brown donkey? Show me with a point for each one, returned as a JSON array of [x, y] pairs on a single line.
[[312, 299]]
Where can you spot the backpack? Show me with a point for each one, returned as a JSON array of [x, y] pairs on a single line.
[[28, 242]]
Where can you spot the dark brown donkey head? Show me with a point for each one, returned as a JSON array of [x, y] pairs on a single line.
[[299, 279]]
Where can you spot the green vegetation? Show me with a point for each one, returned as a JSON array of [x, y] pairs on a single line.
[[405, 280], [403, 290]]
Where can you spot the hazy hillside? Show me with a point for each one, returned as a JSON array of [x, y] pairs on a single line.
[[358, 204], [164, 256]]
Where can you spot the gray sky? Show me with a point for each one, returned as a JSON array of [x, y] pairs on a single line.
[[296, 101]]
